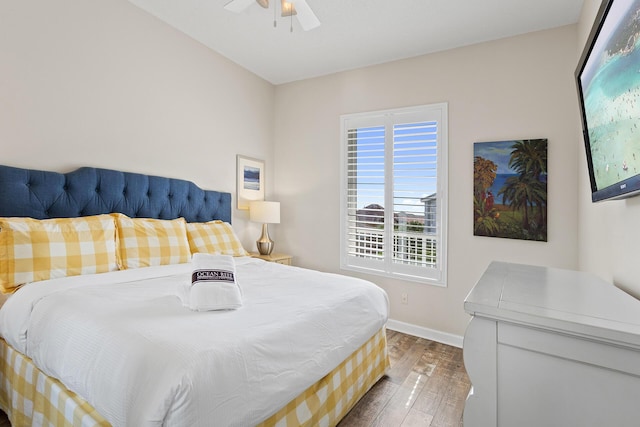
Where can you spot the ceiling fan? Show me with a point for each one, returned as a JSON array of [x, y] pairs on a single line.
[[299, 8]]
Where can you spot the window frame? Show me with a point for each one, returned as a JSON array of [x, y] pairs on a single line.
[[386, 267]]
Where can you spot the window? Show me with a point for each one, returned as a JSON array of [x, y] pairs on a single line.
[[395, 193]]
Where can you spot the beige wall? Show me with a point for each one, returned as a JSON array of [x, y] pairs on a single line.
[[609, 231], [513, 88], [102, 83]]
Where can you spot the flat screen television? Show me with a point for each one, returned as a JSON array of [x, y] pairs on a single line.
[[608, 80]]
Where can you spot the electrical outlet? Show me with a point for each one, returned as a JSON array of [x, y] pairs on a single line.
[[405, 298]]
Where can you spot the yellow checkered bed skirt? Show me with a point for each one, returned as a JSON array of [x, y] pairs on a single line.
[[29, 397]]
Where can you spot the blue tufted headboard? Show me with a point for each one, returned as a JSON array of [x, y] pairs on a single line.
[[90, 191]]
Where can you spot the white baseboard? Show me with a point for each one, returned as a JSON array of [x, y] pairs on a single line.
[[426, 333]]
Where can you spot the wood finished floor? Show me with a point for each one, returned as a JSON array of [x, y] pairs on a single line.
[[426, 386]]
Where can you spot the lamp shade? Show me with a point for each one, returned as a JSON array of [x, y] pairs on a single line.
[[265, 212]]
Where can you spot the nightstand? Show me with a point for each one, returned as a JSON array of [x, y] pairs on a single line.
[[274, 257]]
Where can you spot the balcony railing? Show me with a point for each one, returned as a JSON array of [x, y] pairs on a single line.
[[409, 248]]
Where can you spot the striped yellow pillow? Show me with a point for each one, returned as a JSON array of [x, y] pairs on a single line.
[[32, 250], [214, 237], [146, 242]]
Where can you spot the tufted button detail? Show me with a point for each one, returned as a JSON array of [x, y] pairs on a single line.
[[170, 196], [65, 188]]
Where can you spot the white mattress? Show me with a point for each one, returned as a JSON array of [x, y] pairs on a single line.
[[124, 342]]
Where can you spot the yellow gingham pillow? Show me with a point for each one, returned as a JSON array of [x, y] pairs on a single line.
[[146, 242], [32, 250], [214, 237]]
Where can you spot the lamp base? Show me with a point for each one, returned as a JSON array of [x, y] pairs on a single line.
[[264, 243]]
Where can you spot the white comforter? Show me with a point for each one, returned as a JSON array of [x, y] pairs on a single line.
[[125, 343]]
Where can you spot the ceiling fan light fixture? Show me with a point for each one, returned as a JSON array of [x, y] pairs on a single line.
[[304, 15], [287, 8]]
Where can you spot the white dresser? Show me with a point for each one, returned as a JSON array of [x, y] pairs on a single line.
[[551, 347]]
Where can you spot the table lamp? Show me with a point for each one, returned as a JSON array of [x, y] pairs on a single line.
[[266, 213]]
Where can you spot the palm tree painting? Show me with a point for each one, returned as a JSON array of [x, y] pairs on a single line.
[[510, 189]]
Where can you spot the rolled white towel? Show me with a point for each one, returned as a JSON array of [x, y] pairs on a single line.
[[213, 284]]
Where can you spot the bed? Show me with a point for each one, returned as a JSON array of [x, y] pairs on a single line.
[[114, 344]]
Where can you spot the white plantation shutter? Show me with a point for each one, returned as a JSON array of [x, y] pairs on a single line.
[[394, 197], [366, 179]]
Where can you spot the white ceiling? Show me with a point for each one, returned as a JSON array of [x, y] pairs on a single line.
[[354, 33]]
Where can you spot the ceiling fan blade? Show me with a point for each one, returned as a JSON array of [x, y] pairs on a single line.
[[238, 6], [308, 20]]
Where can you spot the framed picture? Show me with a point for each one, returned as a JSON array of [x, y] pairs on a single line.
[[510, 189], [250, 181]]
